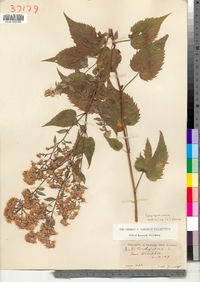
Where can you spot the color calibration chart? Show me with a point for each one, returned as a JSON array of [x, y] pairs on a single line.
[[192, 195], [193, 132]]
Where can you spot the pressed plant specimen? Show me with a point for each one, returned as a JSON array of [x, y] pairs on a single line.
[[91, 91]]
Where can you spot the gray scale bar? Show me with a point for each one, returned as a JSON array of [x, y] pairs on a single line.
[[119, 273], [196, 249], [197, 64]]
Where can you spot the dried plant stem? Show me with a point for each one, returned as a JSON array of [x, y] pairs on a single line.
[[125, 133], [132, 178], [92, 97], [128, 149]]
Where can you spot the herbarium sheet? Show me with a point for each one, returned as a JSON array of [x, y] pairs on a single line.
[[93, 125]]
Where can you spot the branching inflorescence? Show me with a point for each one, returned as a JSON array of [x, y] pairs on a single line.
[[59, 169]]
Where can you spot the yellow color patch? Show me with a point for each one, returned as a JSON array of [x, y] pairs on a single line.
[[189, 179]]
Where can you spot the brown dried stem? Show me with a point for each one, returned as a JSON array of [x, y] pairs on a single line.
[[125, 132]]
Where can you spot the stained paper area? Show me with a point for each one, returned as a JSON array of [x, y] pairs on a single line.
[[87, 243]]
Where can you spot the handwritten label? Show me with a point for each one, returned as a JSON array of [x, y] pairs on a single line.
[[24, 8], [145, 231], [155, 255], [161, 217]]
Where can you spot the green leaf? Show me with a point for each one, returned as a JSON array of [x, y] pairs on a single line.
[[131, 111], [84, 145], [115, 36], [41, 189], [109, 109], [148, 151], [145, 32], [78, 148], [149, 60], [70, 58], [56, 186], [40, 193], [115, 59], [82, 177], [83, 187], [114, 143], [89, 147], [104, 64], [76, 166], [64, 119], [77, 170], [88, 43], [79, 89], [85, 37], [153, 166], [98, 119], [50, 199], [108, 61], [80, 32], [62, 131]]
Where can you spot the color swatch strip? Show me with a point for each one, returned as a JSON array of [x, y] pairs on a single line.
[[192, 195]]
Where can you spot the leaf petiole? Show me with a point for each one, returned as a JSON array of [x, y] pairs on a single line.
[[130, 81], [121, 41], [139, 180]]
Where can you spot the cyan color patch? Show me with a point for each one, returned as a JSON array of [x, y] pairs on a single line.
[[195, 151], [189, 151]]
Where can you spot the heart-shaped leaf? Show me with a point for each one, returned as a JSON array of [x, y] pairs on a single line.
[[85, 37], [145, 32], [149, 60]]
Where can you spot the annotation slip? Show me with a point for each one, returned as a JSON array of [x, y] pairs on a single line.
[[145, 231]]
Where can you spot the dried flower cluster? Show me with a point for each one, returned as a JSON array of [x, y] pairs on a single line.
[[58, 169]]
